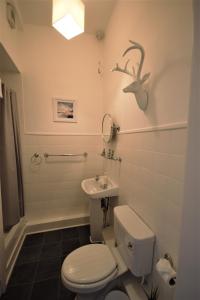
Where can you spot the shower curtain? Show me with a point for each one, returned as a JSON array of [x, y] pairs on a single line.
[[10, 160], [188, 279]]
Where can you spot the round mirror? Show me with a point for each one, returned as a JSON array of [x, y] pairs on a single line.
[[109, 129]]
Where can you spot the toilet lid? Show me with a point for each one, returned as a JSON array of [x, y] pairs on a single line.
[[116, 295], [89, 264]]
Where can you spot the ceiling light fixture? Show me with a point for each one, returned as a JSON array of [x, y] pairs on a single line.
[[68, 17]]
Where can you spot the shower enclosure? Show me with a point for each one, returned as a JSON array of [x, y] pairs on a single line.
[[10, 160], [11, 186]]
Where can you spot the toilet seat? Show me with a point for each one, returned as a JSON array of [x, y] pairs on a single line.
[[87, 288], [89, 268]]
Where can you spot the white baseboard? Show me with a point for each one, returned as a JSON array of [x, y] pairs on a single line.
[[14, 253], [53, 224]]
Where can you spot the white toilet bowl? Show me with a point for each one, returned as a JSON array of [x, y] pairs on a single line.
[[88, 269]]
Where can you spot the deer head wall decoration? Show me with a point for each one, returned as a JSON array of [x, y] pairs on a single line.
[[136, 86]]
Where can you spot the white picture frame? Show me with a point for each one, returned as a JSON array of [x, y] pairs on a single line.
[[64, 110]]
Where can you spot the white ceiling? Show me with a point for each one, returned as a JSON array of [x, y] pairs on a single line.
[[39, 12]]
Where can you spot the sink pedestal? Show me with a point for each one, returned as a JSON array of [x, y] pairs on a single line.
[[96, 221], [97, 189]]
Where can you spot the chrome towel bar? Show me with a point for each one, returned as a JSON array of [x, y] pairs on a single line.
[[46, 155]]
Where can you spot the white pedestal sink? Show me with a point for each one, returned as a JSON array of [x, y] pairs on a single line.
[[96, 189]]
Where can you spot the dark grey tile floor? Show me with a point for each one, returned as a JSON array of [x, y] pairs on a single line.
[[36, 275]]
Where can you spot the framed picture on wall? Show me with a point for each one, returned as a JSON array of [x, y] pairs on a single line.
[[64, 110]]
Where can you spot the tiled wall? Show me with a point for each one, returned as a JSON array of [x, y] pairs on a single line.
[[151, 181], [53, 188]]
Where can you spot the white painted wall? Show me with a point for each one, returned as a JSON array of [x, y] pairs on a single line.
[[152, 170], [164, 30], [189, 264], [55, 67]]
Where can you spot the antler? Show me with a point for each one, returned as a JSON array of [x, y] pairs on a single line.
[[141, 49], [125, 70], [136, 87]]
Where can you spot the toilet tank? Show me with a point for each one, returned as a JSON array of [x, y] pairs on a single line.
[[135, 240]]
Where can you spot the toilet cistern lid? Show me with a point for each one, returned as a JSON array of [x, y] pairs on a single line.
[[89, 264]]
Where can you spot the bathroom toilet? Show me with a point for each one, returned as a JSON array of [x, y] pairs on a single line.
[[89, 269]]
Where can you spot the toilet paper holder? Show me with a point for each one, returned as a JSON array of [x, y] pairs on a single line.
[[172, 281], [167, 272]]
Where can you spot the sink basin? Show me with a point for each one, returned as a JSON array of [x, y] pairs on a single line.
[[104, 187]]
